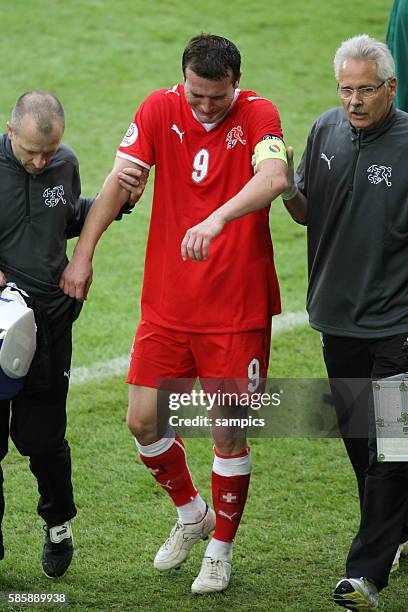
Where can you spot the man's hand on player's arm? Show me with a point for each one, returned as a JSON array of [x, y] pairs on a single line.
[[134, 180], [77, 276], [269, 181], [293, 199], [3, 280]]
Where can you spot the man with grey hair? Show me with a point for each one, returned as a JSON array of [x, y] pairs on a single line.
[[40, 208], [351, 191]]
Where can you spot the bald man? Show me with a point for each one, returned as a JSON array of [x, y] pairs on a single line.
[[40, 208]]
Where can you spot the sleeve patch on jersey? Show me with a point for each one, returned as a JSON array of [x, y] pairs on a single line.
[[131, 136], [271, 148]]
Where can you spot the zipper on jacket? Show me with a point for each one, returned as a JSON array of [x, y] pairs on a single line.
[[353, 171], [27, 198]]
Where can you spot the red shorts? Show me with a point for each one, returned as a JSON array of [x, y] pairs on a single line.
[[160, 353]]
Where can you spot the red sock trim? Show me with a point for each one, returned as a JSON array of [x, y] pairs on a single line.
[[229, 498], [171, 471], [246, 451]]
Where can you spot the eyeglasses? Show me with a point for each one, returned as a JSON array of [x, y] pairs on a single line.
[[368, 91]]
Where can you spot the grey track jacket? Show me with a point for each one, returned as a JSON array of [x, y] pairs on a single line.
[[356, 184], [38, 213]]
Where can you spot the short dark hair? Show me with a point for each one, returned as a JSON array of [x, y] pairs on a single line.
[[42, 106], [212, 57]]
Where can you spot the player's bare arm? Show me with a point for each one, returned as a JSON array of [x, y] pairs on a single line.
[[77, 276], [269, 182], [3, 279], [294, 200]]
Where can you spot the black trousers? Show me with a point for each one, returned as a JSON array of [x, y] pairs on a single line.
[[36, 421], [383, 487]]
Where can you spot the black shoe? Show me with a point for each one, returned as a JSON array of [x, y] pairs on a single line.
[[58, 549]]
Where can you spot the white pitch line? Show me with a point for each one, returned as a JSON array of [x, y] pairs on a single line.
[[99, 369], [119, 365], [285, 322]]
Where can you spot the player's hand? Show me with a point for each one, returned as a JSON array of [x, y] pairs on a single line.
[[196, 242], [77, 278], [3, 280], [292, 187], [133, 180]]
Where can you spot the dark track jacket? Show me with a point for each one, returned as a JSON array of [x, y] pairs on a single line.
[[38, 213], [356, 184]]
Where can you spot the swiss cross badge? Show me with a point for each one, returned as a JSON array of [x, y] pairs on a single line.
[[157, 471], [229, 497], [235, 135]]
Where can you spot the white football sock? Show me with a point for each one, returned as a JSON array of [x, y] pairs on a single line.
[[193, 511], [217, 549]]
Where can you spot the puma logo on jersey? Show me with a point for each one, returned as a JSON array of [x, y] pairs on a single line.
[[326, 159], [179, 134], [172, 90], [252, 98]]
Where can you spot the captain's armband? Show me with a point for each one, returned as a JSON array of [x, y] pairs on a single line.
[[271, 148]]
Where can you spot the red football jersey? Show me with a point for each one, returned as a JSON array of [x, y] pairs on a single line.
[[197, 169]]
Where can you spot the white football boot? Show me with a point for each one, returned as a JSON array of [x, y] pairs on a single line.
[[214, 576], [181, 540]]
